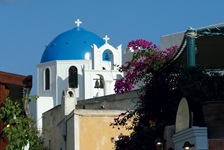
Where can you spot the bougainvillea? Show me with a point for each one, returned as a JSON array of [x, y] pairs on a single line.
[[145, 71], [147, 58]]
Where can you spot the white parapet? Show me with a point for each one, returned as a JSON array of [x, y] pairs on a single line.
[[195, 135]]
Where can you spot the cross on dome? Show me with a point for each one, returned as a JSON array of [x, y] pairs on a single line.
[[78, 22], [106, 38]]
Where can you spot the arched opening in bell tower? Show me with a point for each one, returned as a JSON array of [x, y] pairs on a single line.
[[99, 86], [107, 60]]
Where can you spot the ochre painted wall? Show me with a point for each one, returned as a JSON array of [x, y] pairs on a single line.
[[96, 132]]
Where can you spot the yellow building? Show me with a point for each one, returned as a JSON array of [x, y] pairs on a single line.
[[85, 125]]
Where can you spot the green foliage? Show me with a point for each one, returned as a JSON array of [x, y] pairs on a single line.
[[159, 99], [198, 80], [18, 129], [161, 88], [156, 108]]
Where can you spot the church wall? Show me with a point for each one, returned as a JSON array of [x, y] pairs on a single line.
[[98, 53], [108, 65], [41, 76], [117, 53], [43, 104], [46, 98], [62, 76], [109, 77]]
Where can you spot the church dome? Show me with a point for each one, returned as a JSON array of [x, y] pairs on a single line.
[[74, 44]]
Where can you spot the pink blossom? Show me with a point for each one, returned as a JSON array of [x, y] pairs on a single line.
[[147, 56], [135, 45]]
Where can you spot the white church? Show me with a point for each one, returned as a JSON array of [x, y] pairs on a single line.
[[75, 85], [79, 61]]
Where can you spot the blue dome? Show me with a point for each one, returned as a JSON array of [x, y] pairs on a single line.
[[74, 44]]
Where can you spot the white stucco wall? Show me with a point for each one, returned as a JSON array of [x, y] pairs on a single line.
[[171, 40], [43, 104]]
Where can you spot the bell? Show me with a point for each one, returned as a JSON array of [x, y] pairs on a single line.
[[106, 56], [97, 84], [101, 84]]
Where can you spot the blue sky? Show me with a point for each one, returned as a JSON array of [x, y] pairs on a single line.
[[27, 26]]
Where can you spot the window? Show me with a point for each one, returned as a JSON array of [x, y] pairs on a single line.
[[73, 77], [47, 79]]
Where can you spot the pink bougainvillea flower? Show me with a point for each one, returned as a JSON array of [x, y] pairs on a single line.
[[147, 56]]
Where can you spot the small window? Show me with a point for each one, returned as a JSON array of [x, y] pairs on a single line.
[[73, 77], [70, 94], [47, 79]]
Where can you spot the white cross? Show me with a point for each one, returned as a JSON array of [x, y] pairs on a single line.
[[106, 38], [78, 22]]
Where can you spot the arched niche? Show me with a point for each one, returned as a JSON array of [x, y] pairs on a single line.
[[73, 77], [107, 60], [47, 79]]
